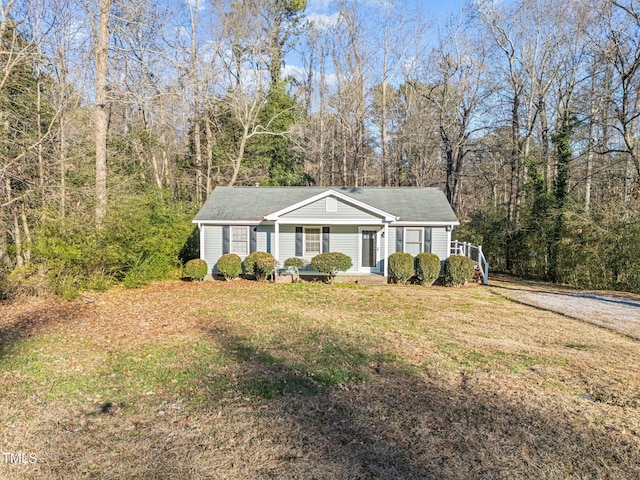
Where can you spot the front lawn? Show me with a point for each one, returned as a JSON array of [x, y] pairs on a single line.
[[255, 380]]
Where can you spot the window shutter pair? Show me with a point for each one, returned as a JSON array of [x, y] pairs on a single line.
[[326, 246], [226, 239], [426, 239]]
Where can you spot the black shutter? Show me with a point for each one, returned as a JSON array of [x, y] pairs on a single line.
[[226, 240], [253, 239], [298, 241], [325, 240], [399, 239], [427, 240]]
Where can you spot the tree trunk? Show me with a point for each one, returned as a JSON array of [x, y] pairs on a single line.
[[209, 149], [197, 147], [101, 112]]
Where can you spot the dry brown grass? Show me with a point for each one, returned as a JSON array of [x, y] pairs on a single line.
[[255, 380]]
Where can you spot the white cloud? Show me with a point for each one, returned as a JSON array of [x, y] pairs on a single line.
[[324, 21]]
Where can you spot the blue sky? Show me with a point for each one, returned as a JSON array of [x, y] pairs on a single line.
[[431, 8]]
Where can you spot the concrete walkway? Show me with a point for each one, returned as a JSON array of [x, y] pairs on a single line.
[[619, 312]]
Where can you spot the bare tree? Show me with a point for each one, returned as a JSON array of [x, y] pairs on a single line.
[[101, 38]]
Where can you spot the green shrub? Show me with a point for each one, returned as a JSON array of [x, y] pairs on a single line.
[[260, 264], [458, 270], [230, 266], [427, 268], [400, 267], [295, 264], [330, 263], [195, 269], [140, 242]]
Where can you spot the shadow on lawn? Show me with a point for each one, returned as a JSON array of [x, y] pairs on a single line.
[[17, 327], [346, 412]]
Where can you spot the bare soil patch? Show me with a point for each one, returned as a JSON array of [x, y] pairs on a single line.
[[255, 380]]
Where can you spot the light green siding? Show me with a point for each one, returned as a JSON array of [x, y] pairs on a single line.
[[211, 251], [317, 212], [264, 238], [392, 240], [439, 244], [287, 243], [343, 238]]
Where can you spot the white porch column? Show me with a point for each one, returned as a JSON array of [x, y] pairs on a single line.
[[201, 233], [386, 249], [276, 245]]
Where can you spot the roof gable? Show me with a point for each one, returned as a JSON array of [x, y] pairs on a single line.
[[332, 193], [255, 204]]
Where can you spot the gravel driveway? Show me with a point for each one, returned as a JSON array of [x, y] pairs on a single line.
[[616, 312]]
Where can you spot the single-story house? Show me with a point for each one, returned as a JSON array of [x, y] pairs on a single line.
[[367, 224]]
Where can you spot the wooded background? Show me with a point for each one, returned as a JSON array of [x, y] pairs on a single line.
[[118, 117]]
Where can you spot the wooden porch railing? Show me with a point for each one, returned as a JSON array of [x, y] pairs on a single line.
[[474, 252]]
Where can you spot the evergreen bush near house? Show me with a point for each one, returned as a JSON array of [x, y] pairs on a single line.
[[427, 268], [400, 267], [260, 265], [458, 270], [195, 269], [230, 266], [139, 242], [330, 263], [295, 264]]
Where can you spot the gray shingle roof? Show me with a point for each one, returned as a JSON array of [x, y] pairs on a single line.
[[410, 204]]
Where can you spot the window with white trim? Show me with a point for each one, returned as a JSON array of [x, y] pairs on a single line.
[[240, 240], [413, 240], [312, 241]]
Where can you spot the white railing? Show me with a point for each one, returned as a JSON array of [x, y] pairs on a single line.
[[474, 252]]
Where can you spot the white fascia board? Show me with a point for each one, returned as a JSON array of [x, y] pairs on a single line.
[[320, 221], [228, 222], [276, 215], [424, 224]]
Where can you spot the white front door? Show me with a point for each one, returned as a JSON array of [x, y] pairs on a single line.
[[369, 250]]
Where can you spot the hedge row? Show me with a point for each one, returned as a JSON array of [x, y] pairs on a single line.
[[262, 264], [424, 269]]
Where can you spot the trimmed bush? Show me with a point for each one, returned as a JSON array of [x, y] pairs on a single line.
[[400, 267], [195, 269], [427, 268], [295, 264], [458, 270], [230, 266], [260, 265], [330, 263]]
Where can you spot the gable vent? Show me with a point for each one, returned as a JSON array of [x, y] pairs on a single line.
[[331, 204]]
